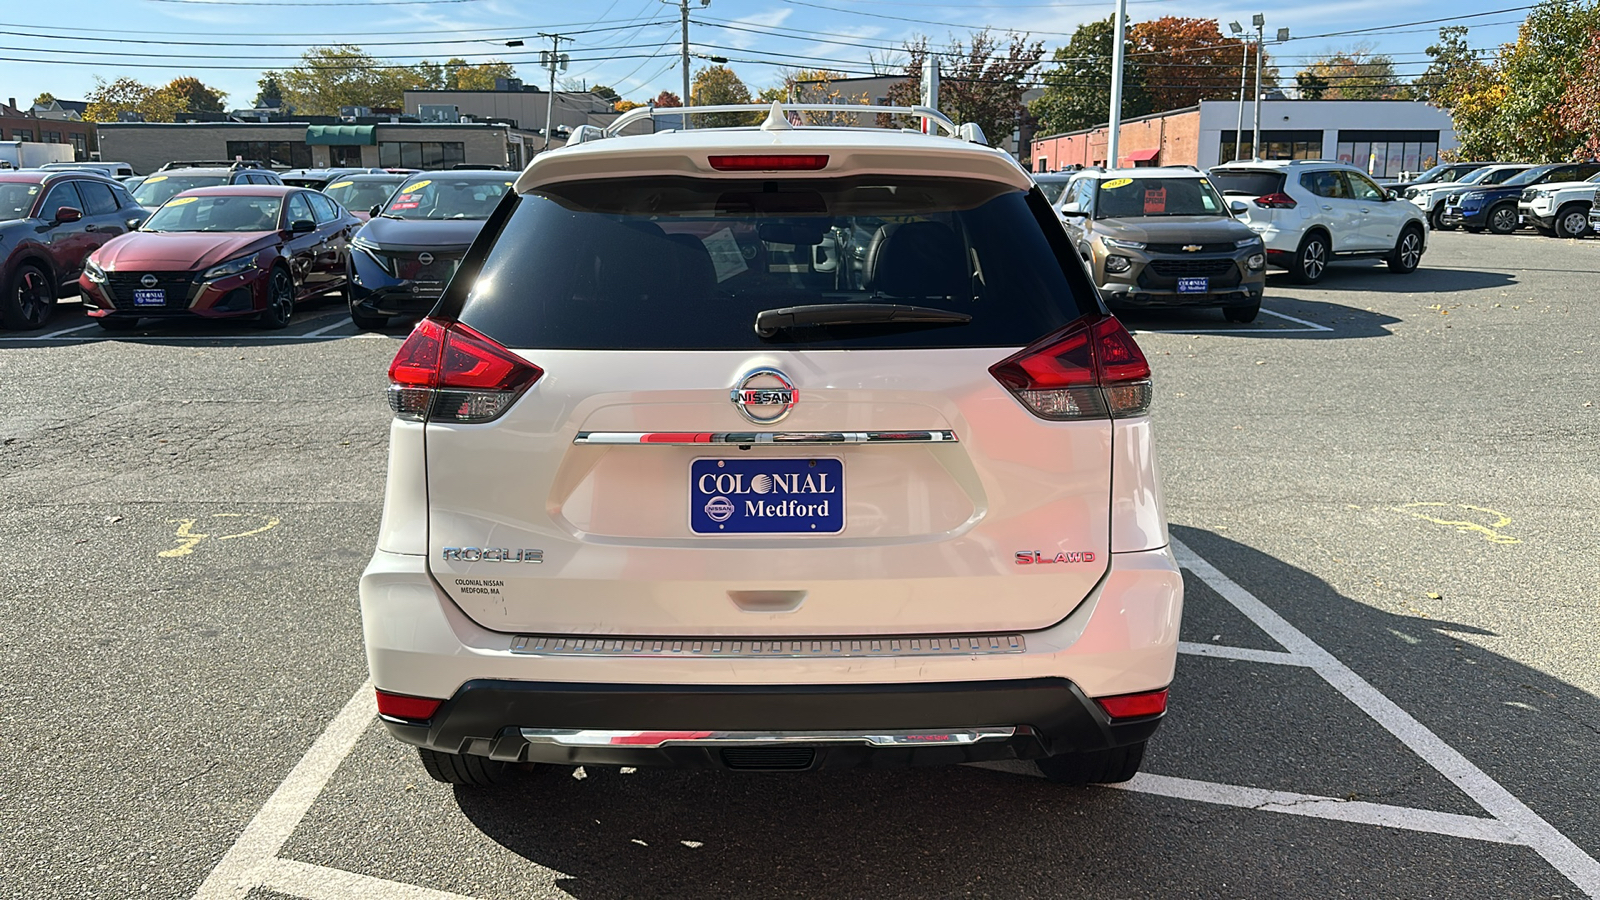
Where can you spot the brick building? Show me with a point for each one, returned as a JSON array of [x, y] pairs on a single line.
[[25, 125]]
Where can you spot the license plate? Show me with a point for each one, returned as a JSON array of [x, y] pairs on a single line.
[[766, 496], [151, 297], [1193, 285]]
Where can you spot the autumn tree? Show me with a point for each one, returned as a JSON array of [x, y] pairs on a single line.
[[1312, 86], [44, 99], [719, 86], [1580, 105], [109, 100], [1358, 73], [666, 99], [981, 79], [816, 86], [460, 75], [345, 75], [193, 94], [1185, 61], [1077, 84], [605, 93]]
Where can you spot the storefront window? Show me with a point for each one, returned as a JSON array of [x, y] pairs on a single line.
[[277, 154], [1388, 154], [421, 154], [1276, 144]]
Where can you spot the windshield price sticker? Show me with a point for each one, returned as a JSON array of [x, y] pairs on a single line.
[[340, 185], [766, 496], [1155, 201], [413, 188], [1115, 183], [181, 201]]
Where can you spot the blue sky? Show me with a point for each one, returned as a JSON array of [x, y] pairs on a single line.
[[631, 45]]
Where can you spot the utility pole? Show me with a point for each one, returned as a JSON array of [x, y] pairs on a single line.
[[683, 50], [554, 60], [1117, 64], [1244, 68], [1260, 22]]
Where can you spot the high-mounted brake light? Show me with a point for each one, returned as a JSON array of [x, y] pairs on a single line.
[[1090, 369], [770, 163], [1132, 706], [400, 706], [448, 372], [1277, 200]]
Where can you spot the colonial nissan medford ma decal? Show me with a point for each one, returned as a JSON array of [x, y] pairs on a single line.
[[766, 496]]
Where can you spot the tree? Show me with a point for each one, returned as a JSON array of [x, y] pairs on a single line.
[[109, 100], [44, 99], [605, 93], [719, 86], [666, 98], [981, 80], [1077, 88], [622, 106], [1358, 74], [195, 95], [460, 75], [345, 75], [270, 91], [1188, 60], [1580, 105], [815, 86], [1312, 86]]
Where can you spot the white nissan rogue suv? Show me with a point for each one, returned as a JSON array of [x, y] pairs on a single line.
[[772, 447]]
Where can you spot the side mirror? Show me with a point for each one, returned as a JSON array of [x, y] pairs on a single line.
[[135, 222], [302, 226], [1238, 207], [1072, 211], [376, 210], [68, 214], [1391, 195]]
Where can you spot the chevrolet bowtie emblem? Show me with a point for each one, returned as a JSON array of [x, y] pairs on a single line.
[[1192, 248]]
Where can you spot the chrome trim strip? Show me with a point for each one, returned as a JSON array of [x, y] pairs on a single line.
[[565, 737], [698, 438], [791, 648]]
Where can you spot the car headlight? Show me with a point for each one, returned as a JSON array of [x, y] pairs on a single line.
[[231, 267], [1411, 192], [1124, 245], [1258, 261], [1116, 265], [371, 250], [1247, 242], [93, 270]]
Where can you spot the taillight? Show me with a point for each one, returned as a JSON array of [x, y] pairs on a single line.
[[1091, 369], [400, 706], [1278, 200], [789, 162], [446, 371], [1131, 706]]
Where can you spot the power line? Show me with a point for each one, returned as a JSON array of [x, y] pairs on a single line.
[[317, 3], [307, 45]]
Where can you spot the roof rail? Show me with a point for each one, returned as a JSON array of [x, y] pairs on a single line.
[[213, 164], [777, 117]]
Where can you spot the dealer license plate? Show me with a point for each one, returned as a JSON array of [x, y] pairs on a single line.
[[1193, 285], [766, 496], [151, 297]]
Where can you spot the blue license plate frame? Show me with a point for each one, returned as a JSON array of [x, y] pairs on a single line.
[[1194, 285], [766, 496], [149, 297]]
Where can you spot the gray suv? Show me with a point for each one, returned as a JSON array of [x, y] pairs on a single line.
[[1164, 237]]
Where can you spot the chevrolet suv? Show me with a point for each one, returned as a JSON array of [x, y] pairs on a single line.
[[1164, 237], [772, 447], [1312, 212]]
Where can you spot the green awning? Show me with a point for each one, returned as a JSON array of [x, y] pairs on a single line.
[[341, 135]]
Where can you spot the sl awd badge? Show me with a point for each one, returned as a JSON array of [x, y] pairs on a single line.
[[1035, 558]]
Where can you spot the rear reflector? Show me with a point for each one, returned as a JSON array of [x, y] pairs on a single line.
[[770, 163], [1133, 706], [399, 706], [1090, 369], [447, 371]]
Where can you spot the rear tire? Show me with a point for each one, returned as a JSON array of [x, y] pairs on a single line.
[[455, 768], [1310, 259], [1113, 765], [1502, 218], [29, 299], [1572, 221], [1407, 251], [1242, 314], [117, 323], [1436, 219]]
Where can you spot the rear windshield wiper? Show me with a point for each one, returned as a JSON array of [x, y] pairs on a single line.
[[770, 321]]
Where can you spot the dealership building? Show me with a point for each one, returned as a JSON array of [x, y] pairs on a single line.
[[1384, 137]]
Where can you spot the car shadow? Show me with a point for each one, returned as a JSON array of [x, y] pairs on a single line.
[[994, 831], [1364, 275], [318, 319], [1281, 317]]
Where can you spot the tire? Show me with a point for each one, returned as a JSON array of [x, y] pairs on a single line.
[[1242, 314], [29, 300], [1572, 221], [1310, 260], [280, 300], [452, 768], [1436, 219], [1407, 251], [1502, 218], [1110, 766], [367, 322], [117, 323]]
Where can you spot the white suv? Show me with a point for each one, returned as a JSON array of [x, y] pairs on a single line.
[[1312, 212], [1559, 209], [772, 448]]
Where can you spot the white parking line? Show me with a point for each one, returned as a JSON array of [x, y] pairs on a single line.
[[253, 859], [1579, 867], [56, 334]]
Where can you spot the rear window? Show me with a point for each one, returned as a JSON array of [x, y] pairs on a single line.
[[686, 264], [1255, 183]]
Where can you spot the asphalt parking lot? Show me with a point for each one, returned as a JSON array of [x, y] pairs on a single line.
[[1383, 492]]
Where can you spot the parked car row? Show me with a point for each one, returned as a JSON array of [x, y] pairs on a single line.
[[1555, 199]]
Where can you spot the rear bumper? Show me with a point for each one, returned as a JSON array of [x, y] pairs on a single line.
[[1122, 639]]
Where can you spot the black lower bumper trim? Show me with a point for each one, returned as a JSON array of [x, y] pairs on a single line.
[[1052, 716]]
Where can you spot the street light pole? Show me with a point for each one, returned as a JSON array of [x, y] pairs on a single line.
[[1244, 68], [1117, 63], [1260, 22]]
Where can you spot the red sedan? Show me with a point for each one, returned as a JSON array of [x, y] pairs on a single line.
[[222, 252]]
